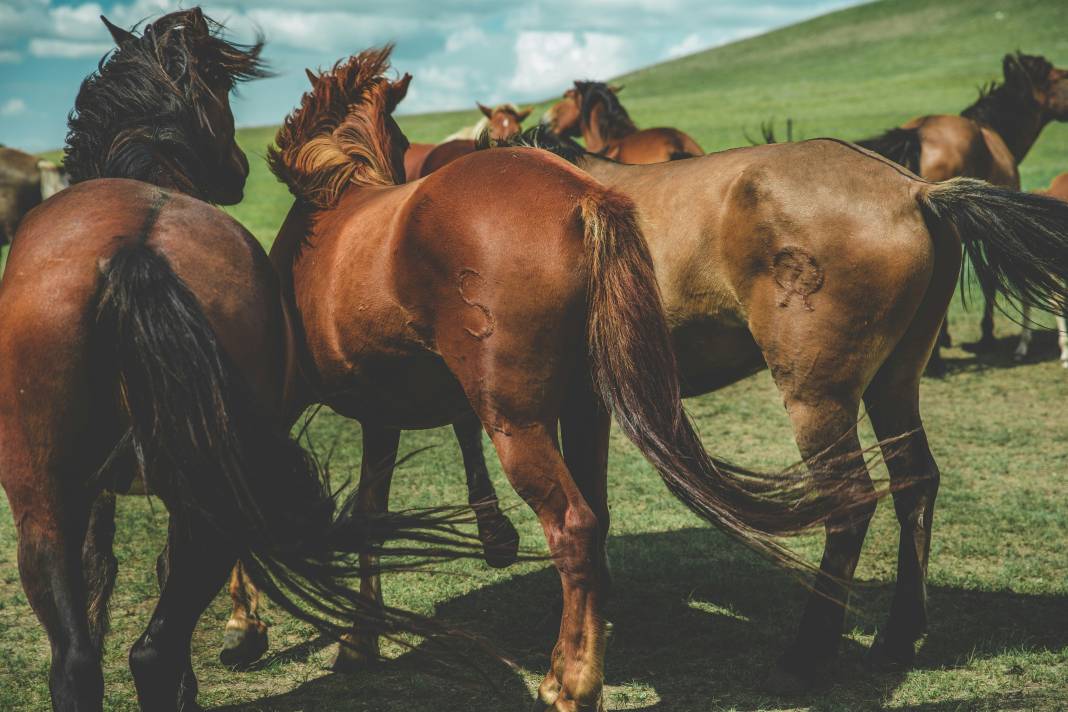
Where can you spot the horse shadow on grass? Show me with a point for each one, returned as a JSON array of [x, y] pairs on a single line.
[[1002, 354], [696, 622]]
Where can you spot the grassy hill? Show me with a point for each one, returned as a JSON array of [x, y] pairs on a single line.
[[696, 620], [850, 74]]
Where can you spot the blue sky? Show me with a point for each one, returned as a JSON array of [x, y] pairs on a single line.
[[459, 51]]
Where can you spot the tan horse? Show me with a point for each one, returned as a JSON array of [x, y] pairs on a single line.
[[421, 303], [834, 267], [592, 110], [988, 140]]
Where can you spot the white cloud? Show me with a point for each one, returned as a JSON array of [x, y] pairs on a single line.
[[689, 44], [549, 61], [13, 107], [67, 49], [9, 56], [342, 32]]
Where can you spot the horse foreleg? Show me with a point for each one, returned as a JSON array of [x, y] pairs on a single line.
[[987, 342], [500, 540], [359, 647], [245, 640]]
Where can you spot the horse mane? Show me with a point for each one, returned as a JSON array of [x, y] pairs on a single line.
[[337, 136], [614, 121], [999, 103], [538, 137], [142, 113]]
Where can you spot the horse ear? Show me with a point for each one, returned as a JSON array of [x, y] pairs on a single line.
[[615, 88], [485, 110], [522, 114], [398, 90], [1011, 67], [117, 33], [311, 76]]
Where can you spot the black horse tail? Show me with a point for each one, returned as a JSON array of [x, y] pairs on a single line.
[[202, 442], [902, 146], [1017, 243], [634, 370]]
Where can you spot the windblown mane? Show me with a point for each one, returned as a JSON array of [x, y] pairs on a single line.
[[614, 121], [142, 114], [337, 135], [538, 137], [999, 104]]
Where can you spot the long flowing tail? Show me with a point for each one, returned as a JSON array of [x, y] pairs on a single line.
[[202, 443], [634, 370], [1017, 243]]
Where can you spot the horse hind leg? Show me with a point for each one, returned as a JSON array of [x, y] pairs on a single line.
[[245, 638], [160, 660], [1026, 334], [51, 533], [826, 434], [500, 540], [1062, 338]]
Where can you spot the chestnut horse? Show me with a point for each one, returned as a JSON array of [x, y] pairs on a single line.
[[500, 123], [988, 140], [834, 267], [25, 181], [592, 110], [421, 303], [1058, 188], [151, 341]]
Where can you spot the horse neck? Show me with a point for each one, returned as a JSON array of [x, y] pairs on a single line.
[[600, 132], [1017, 122]]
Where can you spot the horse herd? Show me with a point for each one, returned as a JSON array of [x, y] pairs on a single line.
[[156, 341]]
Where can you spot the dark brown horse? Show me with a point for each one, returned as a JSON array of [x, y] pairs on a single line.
[[25, 181], [430, 302], [151, 340], [834, 267], [988, 140], [592, 110], [500, 123]]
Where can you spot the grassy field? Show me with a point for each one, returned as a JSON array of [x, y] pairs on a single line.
[[696, 619]]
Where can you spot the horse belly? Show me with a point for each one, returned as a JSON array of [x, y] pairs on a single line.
[[410, 392], [711, 354]]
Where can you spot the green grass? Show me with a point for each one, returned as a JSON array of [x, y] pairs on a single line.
[[696, 619]]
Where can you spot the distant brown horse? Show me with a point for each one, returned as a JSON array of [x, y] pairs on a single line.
[[592, 110], [987, 140], [500, 123], [25, 180], [834, 267], [422, 303], [150, 339]]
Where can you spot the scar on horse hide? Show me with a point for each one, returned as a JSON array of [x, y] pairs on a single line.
[[463, 279], [796, 272]]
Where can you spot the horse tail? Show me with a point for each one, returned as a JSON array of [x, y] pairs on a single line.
[[202, 441], [1017, 243], [902, 146], [634, 371]]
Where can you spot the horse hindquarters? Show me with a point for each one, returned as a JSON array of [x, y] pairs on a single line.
[[46, 436]]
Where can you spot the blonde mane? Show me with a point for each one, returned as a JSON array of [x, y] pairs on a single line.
[[338, 135]]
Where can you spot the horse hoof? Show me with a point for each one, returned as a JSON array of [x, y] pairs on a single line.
[[886, 655], [500, 542], [244, 646]]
